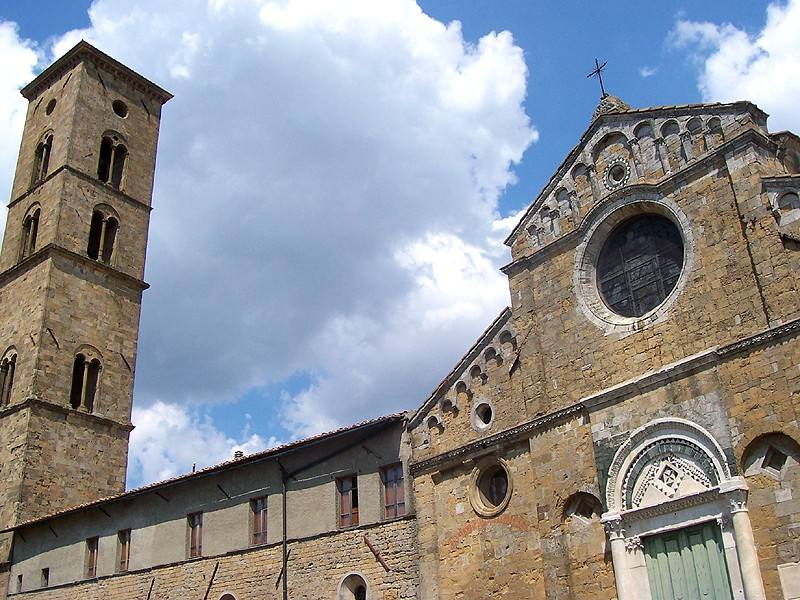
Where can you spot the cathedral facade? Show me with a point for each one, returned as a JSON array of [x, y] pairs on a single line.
[[626, 429]]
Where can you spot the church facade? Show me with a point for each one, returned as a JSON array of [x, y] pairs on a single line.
[[626, 429]]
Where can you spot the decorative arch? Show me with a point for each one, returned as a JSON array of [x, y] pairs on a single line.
[[41, 158], [662, 437], [87, 367], [8, 366], [112, 158], [103, 230], [30, 230], [643, 129], [353, 586], [698, 492], [612, 137]]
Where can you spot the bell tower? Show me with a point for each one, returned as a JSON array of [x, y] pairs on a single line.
[[71, 283]]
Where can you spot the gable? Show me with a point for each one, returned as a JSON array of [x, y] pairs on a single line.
[[626, 148]]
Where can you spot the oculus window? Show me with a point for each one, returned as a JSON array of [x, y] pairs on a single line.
[[639, 264]]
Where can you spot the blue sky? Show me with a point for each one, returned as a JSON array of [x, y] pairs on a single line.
[[341, 270]]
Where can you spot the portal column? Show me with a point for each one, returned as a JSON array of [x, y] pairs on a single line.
[[616, 537], [746, 547]]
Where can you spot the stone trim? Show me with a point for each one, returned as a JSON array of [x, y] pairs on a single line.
[[50, 250], [86, 177], [670, 372], [65, 410], [701, 165], [80, 53]]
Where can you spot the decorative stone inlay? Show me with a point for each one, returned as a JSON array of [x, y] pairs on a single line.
[[676, 437], [616, 174]]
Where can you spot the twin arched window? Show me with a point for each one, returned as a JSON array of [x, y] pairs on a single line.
[[111, 164], [41, 159], [85, 379], [30, 229], [102, 235], [7, 367]]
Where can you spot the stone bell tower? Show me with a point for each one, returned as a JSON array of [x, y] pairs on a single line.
[[71, 283]]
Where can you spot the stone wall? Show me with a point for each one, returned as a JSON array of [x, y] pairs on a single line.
[[316, 567]]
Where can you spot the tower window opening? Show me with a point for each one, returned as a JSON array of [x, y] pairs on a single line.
[[111, 164], [85, 379], [102, 236], [30, 230], [7, 368], [41, 161]]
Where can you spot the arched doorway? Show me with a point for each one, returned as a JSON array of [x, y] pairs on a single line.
[[353, 587], [677, 520]]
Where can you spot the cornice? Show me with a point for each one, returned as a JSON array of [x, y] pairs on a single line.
[[51, 250], [82, 52], [86, 177], [32, 402], [671, 372]]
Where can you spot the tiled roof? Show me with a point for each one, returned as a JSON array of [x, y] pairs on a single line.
[[250, 458]]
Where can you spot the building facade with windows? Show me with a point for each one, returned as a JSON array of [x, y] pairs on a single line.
[[626, 429]]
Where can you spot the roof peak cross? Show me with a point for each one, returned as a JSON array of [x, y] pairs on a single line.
[[598, 72]]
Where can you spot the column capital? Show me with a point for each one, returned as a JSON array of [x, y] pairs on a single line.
[[614, 526]]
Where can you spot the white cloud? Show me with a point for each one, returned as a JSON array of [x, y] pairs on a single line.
[[155, 455], [735, 65], [646, 71], [326, 198], [19, 61]]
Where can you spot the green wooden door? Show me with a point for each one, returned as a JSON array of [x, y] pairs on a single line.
[[687, 564]]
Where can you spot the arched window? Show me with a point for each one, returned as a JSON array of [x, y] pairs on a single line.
[[85, 379], [111, 164], [102, 235], [353, 587], [7, 367], [41, 160], [30, 230]]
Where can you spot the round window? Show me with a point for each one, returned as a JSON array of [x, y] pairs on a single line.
[[491, 487], [483, 412], [639, 264], [616, 175], [120, 108]]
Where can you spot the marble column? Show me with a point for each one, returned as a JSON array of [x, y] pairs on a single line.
[[746, 547], [616, 538]]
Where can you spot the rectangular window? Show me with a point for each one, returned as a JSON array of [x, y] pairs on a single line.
[[348, 501], [45, 578], [19, 583], [259, 507], [91, 557], [124, 538], [195, 535], [394, 495]]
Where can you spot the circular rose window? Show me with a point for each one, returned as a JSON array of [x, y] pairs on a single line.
[[639, 264]]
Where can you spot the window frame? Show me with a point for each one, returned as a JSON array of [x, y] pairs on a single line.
[[92, 556], [352, 516], [123, 550], [259, 516], [194, 546], [399, 484]]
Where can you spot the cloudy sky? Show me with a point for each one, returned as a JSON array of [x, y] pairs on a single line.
[[335, 178]]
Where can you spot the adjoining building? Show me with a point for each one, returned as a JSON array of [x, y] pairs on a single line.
[[626, 429]]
